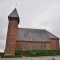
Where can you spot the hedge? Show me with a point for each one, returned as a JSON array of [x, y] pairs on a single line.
[[18, 52], [10, 56], [38, 52], [1, 53], [42, 52], [28, 53]]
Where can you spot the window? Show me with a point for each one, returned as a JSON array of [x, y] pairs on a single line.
[[42, 46]]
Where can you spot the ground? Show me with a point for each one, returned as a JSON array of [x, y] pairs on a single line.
[[33, 58]]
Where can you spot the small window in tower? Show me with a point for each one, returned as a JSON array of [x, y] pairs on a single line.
[[15, 18]]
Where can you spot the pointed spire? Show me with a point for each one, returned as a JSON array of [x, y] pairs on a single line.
[[14, 13]]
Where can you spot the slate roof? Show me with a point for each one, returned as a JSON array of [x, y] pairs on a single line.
[[42, 35], [14, 13]]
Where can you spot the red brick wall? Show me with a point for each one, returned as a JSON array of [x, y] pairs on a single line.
[[48, 46], [19, 45], [53, 44], [11, 37]]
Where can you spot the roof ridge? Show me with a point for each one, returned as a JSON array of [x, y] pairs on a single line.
[[32, 28]]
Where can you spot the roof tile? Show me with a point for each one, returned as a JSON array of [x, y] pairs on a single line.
[[41, 35]]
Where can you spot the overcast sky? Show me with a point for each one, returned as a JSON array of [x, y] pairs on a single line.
[[37, 14]]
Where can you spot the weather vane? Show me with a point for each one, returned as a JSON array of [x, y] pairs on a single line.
[[16, 5]]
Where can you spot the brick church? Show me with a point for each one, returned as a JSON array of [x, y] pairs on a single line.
[[27, 39]]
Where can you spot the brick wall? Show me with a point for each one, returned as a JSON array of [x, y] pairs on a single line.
[[53, 44], [19, 45], [11, 37]]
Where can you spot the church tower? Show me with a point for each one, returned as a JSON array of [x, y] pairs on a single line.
[[12, 32]]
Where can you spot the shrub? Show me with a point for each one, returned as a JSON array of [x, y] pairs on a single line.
[[18, 52], [42, 52], [10, 56], [1, 53]]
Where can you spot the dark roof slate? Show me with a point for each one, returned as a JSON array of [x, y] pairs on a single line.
[[42, 35], [14, 13]]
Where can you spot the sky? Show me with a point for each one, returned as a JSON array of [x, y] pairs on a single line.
[[36, 14]]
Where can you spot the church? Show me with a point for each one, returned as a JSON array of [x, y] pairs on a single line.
[[27, 38]]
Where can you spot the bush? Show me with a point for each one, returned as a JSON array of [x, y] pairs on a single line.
[[1, 53], [42, 52], [32, 53], [29, 53], [10, 56], [18, 53]]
